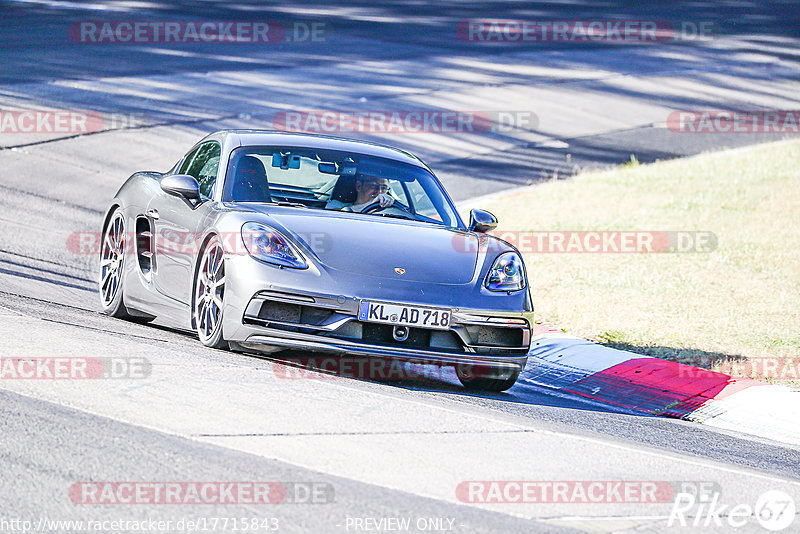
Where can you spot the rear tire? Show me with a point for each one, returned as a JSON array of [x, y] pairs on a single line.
[[209, 295], [482, 378]]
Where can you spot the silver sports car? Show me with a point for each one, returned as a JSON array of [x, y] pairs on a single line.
[[265, 241]]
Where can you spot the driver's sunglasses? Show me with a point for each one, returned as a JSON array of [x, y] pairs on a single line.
[[383, 188]]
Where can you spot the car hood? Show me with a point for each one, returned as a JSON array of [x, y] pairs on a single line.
[[379, 247]]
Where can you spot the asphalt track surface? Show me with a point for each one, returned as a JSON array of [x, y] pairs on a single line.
[[388, 448]]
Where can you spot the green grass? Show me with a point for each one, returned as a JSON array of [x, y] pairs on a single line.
[[741, 301]]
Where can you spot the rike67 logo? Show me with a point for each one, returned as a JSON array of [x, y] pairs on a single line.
[[774, 510]]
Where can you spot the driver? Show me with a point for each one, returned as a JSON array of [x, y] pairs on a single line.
[[369, 189]]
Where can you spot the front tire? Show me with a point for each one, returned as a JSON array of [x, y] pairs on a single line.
[[481, 378], [209, 295]]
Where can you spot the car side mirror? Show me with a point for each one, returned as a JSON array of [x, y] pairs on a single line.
[[182, 185], [481, 221]]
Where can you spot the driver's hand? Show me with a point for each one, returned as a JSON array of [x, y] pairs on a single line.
[[384, 200]]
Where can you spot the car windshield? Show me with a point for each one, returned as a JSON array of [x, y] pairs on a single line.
[[334, 180]]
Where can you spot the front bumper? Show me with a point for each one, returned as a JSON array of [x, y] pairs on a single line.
[[266, 316]]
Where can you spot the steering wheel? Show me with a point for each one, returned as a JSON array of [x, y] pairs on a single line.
[[375, 206]]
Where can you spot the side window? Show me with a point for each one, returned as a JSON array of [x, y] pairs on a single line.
[[422, 202], [188, 161], [203, 164], [396, 190], [208, 176]]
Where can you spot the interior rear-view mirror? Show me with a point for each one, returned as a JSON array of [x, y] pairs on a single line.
[[285, 161]]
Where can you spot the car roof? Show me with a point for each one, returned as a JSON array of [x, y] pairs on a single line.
[[324, 142]]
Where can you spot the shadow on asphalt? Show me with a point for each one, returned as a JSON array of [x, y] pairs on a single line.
[[388, 34], [695, 357], [296, 365]]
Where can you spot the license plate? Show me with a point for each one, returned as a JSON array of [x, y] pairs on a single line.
[[382, 312]]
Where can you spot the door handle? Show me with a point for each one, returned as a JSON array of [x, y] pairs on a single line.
[[153, 214]]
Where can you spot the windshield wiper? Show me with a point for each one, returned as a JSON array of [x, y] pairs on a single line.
[[292, 204]]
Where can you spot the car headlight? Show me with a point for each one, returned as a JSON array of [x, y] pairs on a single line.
[[270, 246], [507, 273]]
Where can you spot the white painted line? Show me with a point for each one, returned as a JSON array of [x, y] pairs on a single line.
[[550, 143]]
